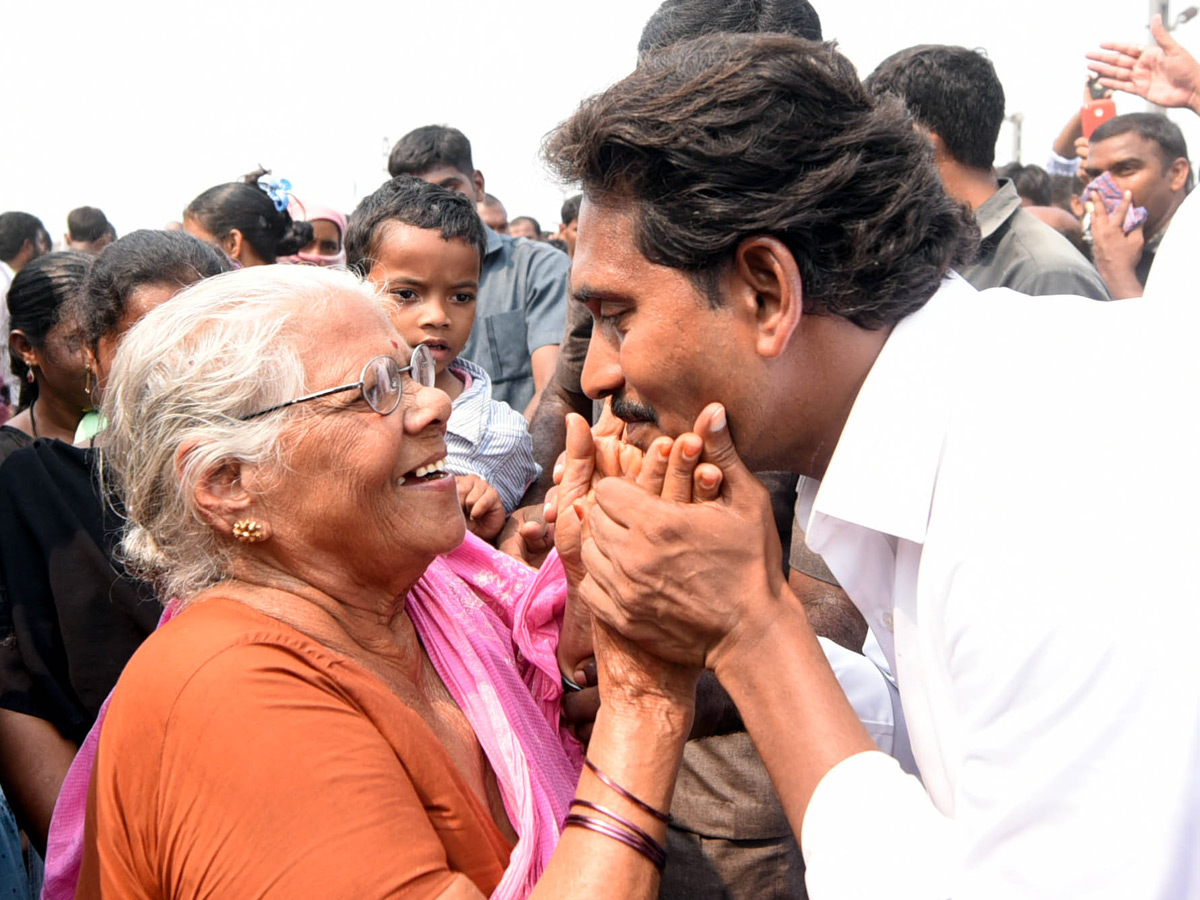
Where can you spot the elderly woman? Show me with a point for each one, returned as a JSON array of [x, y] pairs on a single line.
[[344, 706]]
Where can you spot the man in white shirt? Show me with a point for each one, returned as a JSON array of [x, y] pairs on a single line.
[[1005, 486]]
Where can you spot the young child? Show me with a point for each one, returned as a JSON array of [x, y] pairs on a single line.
[[424, 246]]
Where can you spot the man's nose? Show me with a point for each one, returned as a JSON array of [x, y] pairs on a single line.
[[602, 373]]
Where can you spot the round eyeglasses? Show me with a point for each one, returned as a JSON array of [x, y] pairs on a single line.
[[380, 383]]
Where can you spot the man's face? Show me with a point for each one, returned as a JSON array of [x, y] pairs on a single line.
[[523, 228], [658, 348], [570, 234], [453, 180], [1136, 164]]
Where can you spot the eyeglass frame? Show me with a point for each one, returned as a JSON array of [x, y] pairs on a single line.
[[420, 350]]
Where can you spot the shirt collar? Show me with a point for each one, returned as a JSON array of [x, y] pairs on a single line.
[[997, 209], [494, 241], [883, 469], [467, 419]]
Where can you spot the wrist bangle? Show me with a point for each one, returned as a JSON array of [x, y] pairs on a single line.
[[652, 850], [640, 804], [620, 820]]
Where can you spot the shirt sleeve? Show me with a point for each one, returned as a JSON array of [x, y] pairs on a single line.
[[1060, 165], [870, 831], [546, 295], [504, 457]]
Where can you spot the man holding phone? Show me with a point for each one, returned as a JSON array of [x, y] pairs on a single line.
[[1145, 156]]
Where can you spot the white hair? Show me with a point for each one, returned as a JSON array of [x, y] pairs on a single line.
[[185, 375]]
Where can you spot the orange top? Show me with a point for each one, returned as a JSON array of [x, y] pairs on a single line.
[[242, 759]]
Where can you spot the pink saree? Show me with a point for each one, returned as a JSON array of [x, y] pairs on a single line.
[[490, 625]]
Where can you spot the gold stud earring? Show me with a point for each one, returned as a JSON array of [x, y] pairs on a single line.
[[249, 531]]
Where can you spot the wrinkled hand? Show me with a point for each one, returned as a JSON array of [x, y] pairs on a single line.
[[1116, 253], [481, 504], [590, 455], [1165, 74], [675, 576]]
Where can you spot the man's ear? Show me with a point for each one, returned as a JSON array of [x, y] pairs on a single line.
[[220, 495], [477, 180], [1178, 170], [767, 275]]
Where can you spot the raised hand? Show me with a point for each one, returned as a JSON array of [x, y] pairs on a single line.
[[1165, 74]]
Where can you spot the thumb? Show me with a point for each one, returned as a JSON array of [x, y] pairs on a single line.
[[579, 460], [1161, 36], [713, 427]]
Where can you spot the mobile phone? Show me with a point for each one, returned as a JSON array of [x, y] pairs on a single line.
[[1098, 110]]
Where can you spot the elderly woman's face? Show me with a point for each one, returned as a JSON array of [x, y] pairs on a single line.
[[349, 493]]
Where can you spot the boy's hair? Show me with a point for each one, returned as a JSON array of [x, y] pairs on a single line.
[[570, 209], [952, 91], [411, 201], [429, 147]]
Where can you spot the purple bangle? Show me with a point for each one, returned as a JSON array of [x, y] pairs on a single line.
[[652, 851], [620, 820], [640, 804]]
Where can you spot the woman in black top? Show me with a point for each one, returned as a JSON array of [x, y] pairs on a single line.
[[46, 355], [69, 616]]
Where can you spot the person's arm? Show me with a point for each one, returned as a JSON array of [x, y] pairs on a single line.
[[33, 765], [543, 360], [1166, 74], [1064, 144], [545, 310]]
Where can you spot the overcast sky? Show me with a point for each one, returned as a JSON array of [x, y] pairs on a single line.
[[137, 106]]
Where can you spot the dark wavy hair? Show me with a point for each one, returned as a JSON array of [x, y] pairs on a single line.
[[40, 297], [411, 201], [725, 137], [140, 258], [245, 206]]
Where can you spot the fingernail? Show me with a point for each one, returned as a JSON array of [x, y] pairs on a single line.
[[718, 420], [558, 469], [578, 507], [691, 451], [547, 507], [708, 480]]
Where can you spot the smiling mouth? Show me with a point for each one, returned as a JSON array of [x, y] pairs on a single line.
[[432, 472]]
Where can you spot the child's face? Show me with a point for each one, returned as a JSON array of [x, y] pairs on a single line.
[[433, 283]]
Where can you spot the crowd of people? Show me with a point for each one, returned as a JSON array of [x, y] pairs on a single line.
[[809, 515]]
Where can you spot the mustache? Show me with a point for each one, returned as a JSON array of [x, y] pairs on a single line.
[[628, 411]]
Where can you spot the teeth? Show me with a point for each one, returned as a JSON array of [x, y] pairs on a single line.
[[400, 480], [422, 471]]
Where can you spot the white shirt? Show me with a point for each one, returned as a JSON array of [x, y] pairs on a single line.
[[1014, 506], [489, 438]]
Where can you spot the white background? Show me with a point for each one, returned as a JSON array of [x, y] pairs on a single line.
[[137, 107]]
